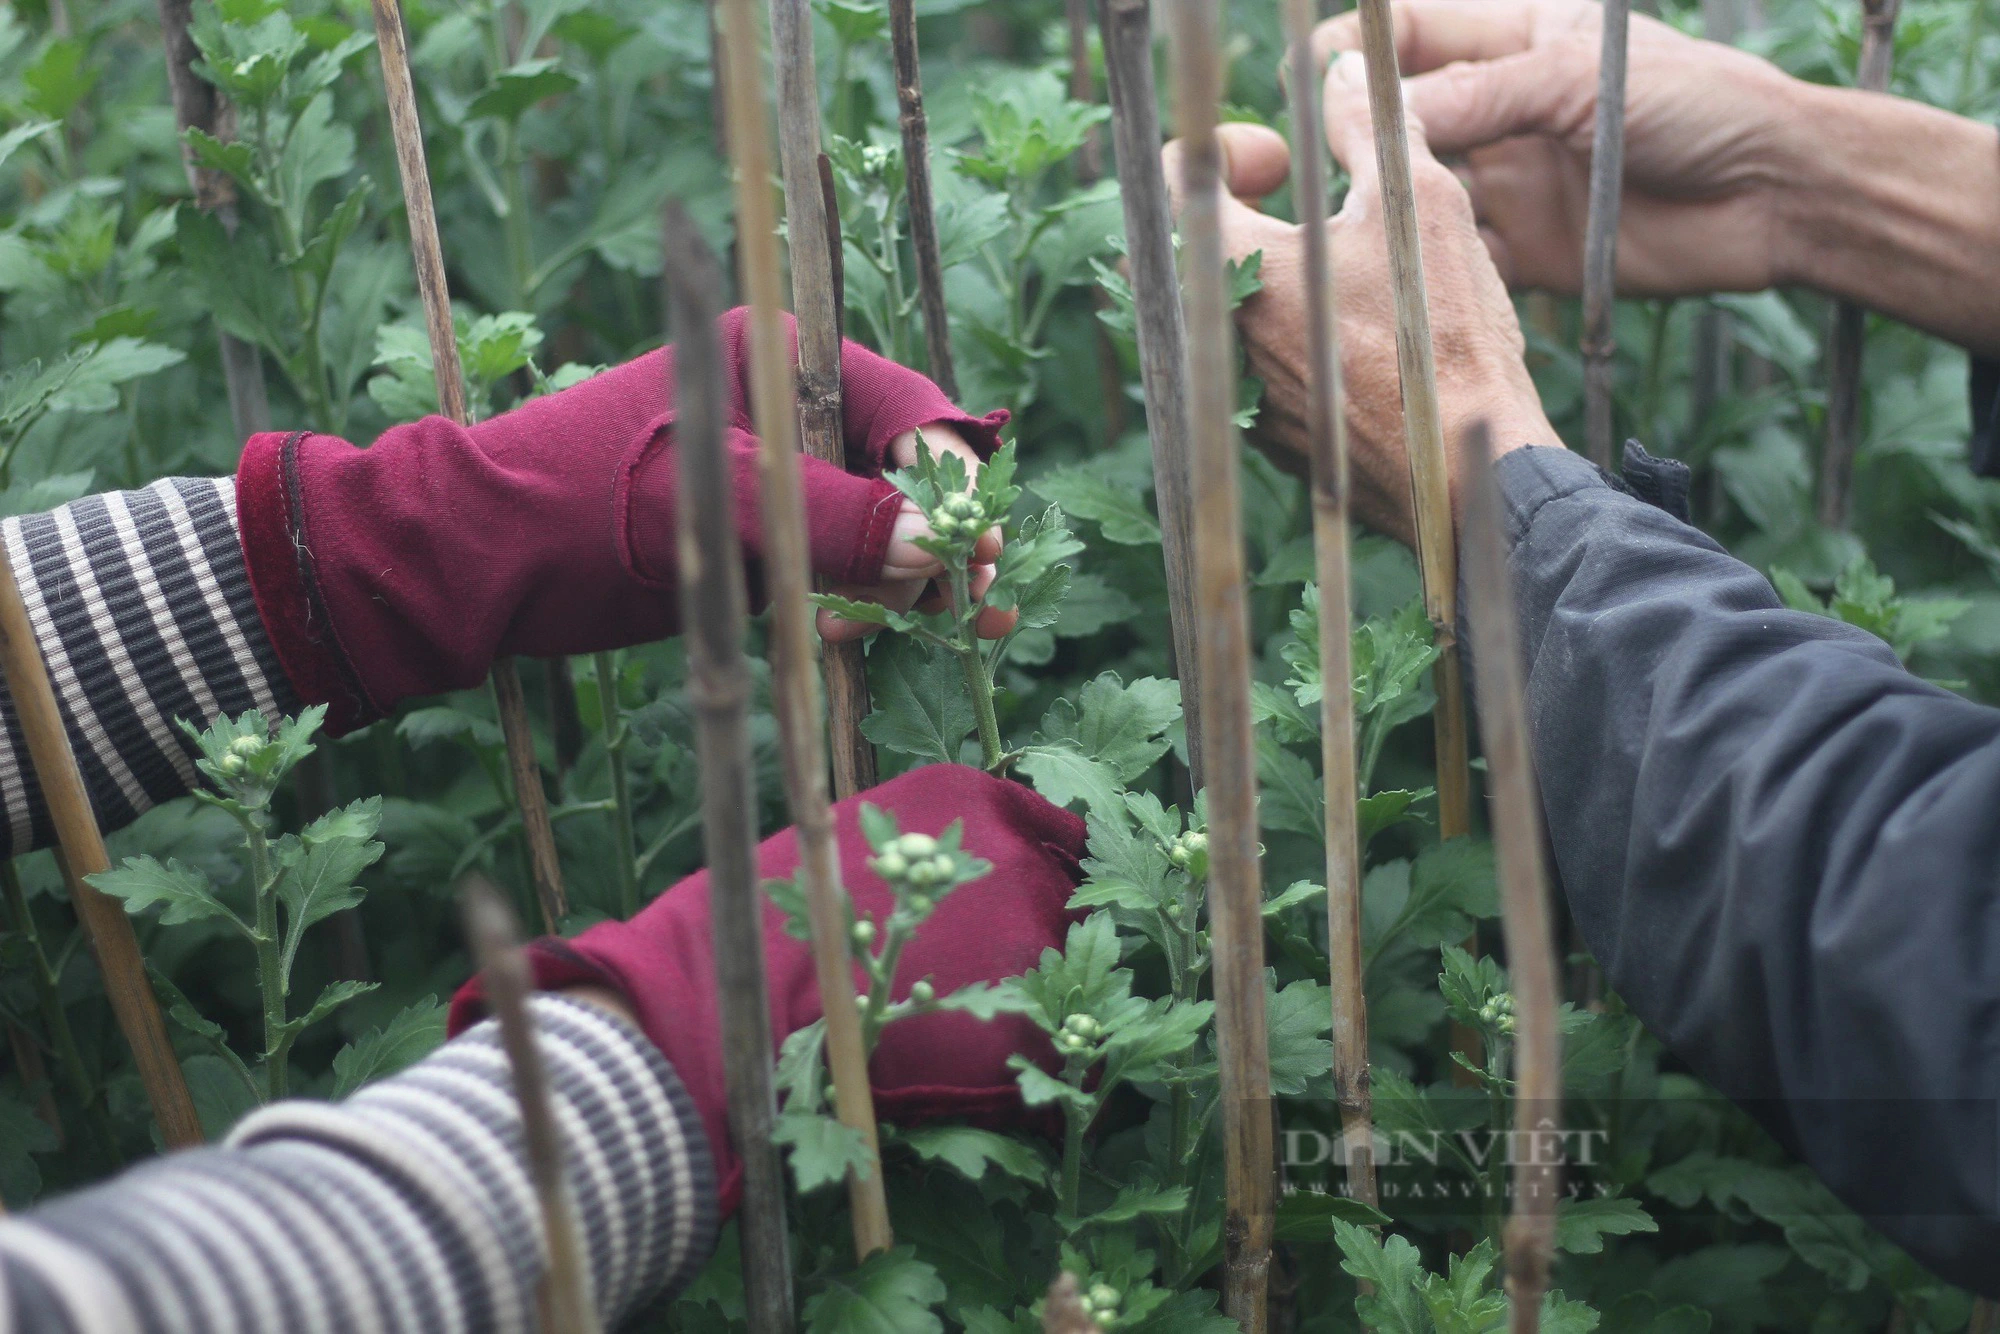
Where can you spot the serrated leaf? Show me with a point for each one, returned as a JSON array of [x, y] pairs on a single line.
[[1309, 1215], [921, 706], [822, 1149], [331, 998], [891, 1292], [1391, 1265], [970, 1151], [1118, 726], [518, 88], [1582, 1225], [1088, 493], [412, 1035], [182, 893], [1299, 1022]]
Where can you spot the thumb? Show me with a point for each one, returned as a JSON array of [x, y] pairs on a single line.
[[1250, 170], [1478, 102], [1350, 121]]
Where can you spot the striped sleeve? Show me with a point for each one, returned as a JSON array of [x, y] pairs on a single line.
[[142, 606], [406, 1207]]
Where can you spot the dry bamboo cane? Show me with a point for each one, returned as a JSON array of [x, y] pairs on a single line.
[[427, 256], [81, 853], [795, 685], [1524, 894], [1326, 432], [917, 186], [1235, 893], [563, 1296], [198, 105], [1089, 163], [1430, 485], [719, 689], [817, 307], [1844, 340], [1600, 247], [1126, 28]]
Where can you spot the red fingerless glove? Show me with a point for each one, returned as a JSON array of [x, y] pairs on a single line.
[[407, 568], [928, 1066]]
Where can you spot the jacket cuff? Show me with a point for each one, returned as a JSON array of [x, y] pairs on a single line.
[[270, 526], [880, 400]]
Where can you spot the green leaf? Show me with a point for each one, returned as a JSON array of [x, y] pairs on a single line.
[[1299, 1019], [1088, 492], [22, 1135], [1133, 1202], [93, 385], [969, 1151], [317, 150], [10, 142], [822, 1149], [317, 875], [1391, 1264], [335, 995], [183, 893], [921, 707], [518, 88], [1385, 810], [1289, 795], [1121, 727], [423, 727], [1582, 1225], [1063, 774], [221, 1095], [891, 1292], [1309, 1215], [412, 1035]]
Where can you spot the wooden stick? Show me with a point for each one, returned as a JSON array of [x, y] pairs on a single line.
[[34, 1073], [1235, 893], [1430, 485], [719, 689], [1089, 163], [1326, 431], [564, 1293], [818, 311], [794, 685], [1600, 247], [198, 105], [82, 854], [1524, 894], [1844, 340], [1126, 28], [1063, 1312], [427, 256], [917, 183]]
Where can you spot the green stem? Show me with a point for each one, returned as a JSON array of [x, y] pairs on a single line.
[[1075, 1122], [270, 964], [978, 683], [625, 854], [514, 221], [48, 997], [1975, 32]]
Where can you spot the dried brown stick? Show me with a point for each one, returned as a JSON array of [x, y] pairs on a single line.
[[427, 256], [1600, 247], [1126, 29], [1430, 484], [917, 185], [1235, 888], [1089, 162], [82, 854], [34, 1073], [564, 1295], [198, 105], [1844, 339], [1326, 432], [817, 305], [719, 688], [795, 685], [1524, 889]]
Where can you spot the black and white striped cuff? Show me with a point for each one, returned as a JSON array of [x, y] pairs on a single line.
[[143, 610]]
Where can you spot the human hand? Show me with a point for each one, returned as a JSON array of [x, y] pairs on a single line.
[[405, 569], [1481, 371], [659, 968], [1511, 87]]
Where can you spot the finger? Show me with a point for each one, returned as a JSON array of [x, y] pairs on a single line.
[[1468, 106], [992, 622], [940, 438], [1244, 229], [1431, 34], [905, 559], [895, 594]]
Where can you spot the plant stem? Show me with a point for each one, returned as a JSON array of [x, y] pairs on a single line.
[[1075, 1122], [47, 982], [978, 683], [624, 854], [270, 963]]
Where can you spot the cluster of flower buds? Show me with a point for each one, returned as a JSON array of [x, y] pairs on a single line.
[[1498, 1012], [1079, 1033], [237, 761], [913, 864], [1189, 853], [960, 518], [1101, 1303]]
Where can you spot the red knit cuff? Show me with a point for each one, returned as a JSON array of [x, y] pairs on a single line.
[[281, 581]]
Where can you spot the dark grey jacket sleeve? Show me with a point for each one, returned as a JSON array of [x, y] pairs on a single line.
[[1783, 848]]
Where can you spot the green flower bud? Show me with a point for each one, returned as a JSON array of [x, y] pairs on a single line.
[[923, 993], [921, 874], [246, 746], [892, 865], [863, 932], [232, 764], [1083, 1025], [1174, 909], [1105, 1297], [943, 868], [920, 904], [1071, 1042], [861, 1001], [914, 846]]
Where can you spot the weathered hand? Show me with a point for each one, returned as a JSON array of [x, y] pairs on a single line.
[[1511, 85], [1481, 373]]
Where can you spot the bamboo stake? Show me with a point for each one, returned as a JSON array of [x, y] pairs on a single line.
[[917, 186], [1843, 344], [82, 854], [795, 686], [198, 105], [1600, 247], [1235, 894], [1089, 163], [818, 312], [427, 256], [1126, 29], [563, 1296], [1430, 485], [1524, 893], [719, 689], [1326, 432]]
